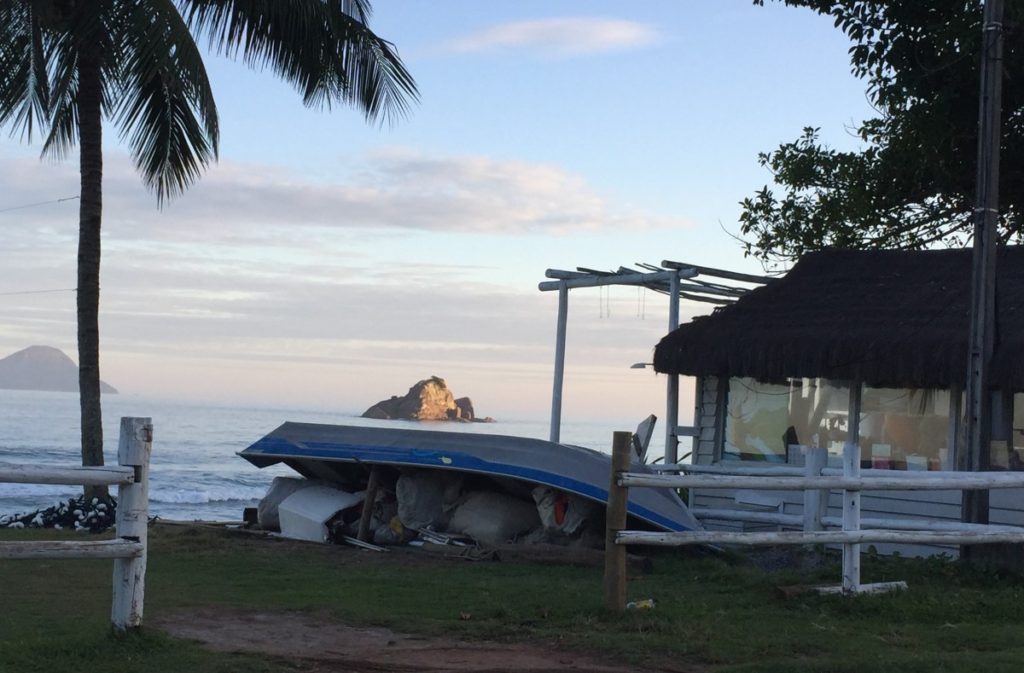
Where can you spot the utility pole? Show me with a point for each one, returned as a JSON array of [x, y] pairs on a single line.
[[978, 421]]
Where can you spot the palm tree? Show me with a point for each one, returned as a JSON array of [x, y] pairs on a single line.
[[65, 65]]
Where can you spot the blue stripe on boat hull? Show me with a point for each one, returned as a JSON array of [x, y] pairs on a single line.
[[394, 447]]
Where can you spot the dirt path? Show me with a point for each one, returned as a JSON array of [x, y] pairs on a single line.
[[336, 648]]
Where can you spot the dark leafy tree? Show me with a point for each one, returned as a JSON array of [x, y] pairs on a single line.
[[66, 65], [911, 185]]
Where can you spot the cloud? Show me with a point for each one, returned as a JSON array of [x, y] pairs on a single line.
[[271, 285], [389, 191], [568, 36]]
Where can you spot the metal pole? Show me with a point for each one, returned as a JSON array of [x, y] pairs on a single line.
[[672, 389], [556, 393], [978, 426]]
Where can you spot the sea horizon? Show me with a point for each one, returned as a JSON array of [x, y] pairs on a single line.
[[195, 472]]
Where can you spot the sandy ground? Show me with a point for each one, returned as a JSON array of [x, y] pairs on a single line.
[[315, 643]]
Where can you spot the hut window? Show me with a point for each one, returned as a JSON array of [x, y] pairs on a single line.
[[768, 421], [904, 429], [1011, 456]]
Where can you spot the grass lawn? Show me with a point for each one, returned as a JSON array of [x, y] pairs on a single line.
[[711, 612]]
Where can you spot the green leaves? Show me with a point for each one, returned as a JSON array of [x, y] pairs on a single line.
[[24, 87], [912, 183]]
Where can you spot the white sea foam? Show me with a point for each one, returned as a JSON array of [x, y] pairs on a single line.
[[205, 494], [57, 492], [169, 494]]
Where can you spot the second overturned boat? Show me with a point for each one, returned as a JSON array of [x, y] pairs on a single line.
[[343, 453]]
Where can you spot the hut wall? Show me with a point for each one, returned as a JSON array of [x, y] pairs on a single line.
[[709, 419], [1007, 506], [706, 420]]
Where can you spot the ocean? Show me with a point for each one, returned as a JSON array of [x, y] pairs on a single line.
[[195, 473]]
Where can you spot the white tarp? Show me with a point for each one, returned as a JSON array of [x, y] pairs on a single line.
[[425, 496], [305, 513], [280, 488], [493, 518]]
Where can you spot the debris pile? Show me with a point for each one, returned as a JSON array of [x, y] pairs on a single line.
[[429, 507], [95, 516]]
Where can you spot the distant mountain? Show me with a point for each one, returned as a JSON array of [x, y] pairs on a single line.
[[42, 368]]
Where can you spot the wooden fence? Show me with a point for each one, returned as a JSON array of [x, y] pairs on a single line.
[[129, 548], [815, 480]]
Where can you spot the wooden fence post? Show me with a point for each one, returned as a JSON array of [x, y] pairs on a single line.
[[371, 497], [133, 450], [851, 498], [618, 498], [815, 500]]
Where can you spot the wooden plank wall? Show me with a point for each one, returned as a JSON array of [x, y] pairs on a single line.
[[705, 418]]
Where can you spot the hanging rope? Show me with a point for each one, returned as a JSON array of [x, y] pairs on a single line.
[[39, 203], [12, 294]]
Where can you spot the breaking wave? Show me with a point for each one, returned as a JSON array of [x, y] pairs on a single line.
[[196, 495], [38, 491], [201, 495]]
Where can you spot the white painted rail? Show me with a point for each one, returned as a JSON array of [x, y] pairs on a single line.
[[816, 481], [129, 549], [816, 537], [111, 549], [958, 481], [74, 476], [797, 520]]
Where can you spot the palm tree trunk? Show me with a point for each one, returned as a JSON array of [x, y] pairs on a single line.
[[90, 137]]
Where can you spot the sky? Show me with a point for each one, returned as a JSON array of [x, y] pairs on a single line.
[[327, 263]]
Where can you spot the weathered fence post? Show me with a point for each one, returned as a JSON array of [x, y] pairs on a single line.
[[851, 498], [133, 450], [815, 500], [372, 484], [618, 499]]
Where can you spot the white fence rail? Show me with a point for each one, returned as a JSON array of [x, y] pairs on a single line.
[[76, 476], [956, 480], [815, 480], [129, 549]]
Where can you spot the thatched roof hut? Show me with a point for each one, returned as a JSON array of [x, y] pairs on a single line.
[[889, 318]]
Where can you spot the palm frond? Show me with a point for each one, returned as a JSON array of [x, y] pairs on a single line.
[[24, 85], [64, 93], [324, 48], [165, 111], [359, 9]]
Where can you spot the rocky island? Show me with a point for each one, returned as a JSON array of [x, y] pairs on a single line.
[[42, 368], [428, 400]]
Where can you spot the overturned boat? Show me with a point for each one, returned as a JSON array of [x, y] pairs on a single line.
[[344, 454]]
